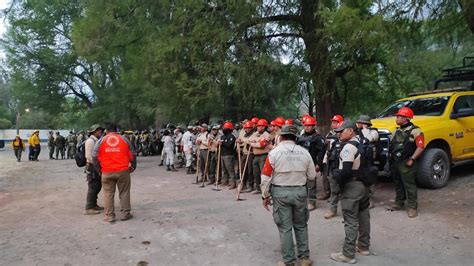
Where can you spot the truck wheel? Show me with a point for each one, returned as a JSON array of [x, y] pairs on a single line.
[[433, 169]]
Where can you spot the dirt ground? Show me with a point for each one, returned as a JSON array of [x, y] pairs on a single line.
[[178, 223]]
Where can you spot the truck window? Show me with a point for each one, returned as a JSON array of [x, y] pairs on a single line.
[[464, 103], [434, 106]]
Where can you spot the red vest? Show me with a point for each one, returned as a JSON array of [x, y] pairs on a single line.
[[114, 154]]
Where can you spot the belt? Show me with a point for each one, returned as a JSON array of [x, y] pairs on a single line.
[[260, 154], [289, 186]]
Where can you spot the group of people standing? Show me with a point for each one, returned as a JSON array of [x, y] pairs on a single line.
[[272, 159], [281, 163], [34, 146], [64, 146]]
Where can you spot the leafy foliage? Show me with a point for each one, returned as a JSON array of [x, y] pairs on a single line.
[[148, 62]]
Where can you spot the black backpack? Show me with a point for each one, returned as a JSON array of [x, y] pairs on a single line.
[[367, 172], [80, 155]]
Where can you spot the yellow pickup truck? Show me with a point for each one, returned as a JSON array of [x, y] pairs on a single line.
[[447, 120]]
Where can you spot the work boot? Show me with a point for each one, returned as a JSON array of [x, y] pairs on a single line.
[[232, 185], [168, 168], [306, 262], [127, 216], [341, 258], [173, 169], [188, 171], [248, 189], [311, 206], [412, 213], [363, 251], [98, 208], [161, 164], [109, 219], [329, 215], [225, 182], [394, 207], [91, 212], [323, 196]]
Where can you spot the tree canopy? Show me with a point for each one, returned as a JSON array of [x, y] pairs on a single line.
[[146, 62]]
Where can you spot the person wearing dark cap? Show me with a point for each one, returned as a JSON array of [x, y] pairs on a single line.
[[287, 169], [93, 177], [370, 135], [354, 197]]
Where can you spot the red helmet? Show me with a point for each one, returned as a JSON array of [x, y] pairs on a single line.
[[309, 121], [254, 120], [337, 118], [406, 112], [273, 123], [289, 121], [262, 122], [304, 117], [279, 121], [228, 125], [248, 124]]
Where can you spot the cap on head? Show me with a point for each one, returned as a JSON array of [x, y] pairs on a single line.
[[346, 124], [94, 128], [289, 130], [364, 119], [215, 127], [204, 125]]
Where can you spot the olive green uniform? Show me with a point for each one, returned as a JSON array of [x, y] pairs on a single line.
[[402, 147], [354, 204], [284, 177]]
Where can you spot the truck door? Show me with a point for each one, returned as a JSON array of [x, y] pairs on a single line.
[[463, 127]]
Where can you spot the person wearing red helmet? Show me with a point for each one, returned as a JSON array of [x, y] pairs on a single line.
[[259, 142], [313, 142], [333, 147], [227, 143], [246, 151], [274, 131], [254, 120], [406, 146]]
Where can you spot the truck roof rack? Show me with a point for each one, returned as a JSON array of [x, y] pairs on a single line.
[[455, 89], [461, 73]]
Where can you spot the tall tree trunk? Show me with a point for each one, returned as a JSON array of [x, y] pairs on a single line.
[[317, 56]]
